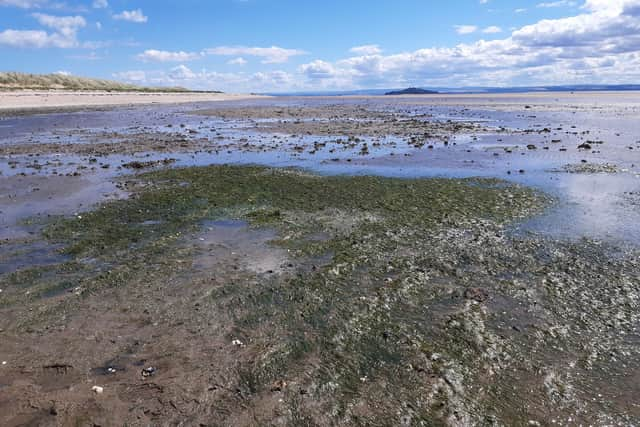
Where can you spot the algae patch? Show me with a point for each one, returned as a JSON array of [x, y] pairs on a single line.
[[403, 301]]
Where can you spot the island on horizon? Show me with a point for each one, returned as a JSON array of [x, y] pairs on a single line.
[[412, 91]]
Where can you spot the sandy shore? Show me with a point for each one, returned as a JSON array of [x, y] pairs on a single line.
[[29, 99], [364, 283]]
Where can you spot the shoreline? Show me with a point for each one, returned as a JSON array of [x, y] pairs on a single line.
[[16, 102]]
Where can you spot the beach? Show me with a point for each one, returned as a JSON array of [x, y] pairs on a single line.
[[41, 99], [439, 259]]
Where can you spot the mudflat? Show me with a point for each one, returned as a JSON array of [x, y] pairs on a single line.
[[416, 260]]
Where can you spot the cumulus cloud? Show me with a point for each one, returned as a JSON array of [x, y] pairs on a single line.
[[64, 35], [318, 70], [62, 24], [209, 80], [152, 55], [237, 61], [368, 49], [270, 55], [559, 3], [135, 16], [132, 76], [492, 30], [599, 44], [602, 44], [23, 4], [465, 29], [31, 38]]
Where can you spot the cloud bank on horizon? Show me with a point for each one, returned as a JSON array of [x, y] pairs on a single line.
[[249, 46]]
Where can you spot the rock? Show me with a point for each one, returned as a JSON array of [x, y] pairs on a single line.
[[531, 147], [584, 146], [476, 294], [97, 389], [147, 372], [279, 385]]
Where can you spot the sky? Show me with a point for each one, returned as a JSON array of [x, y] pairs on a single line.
[[292, 45]]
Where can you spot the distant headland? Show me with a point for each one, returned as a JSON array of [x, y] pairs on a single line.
[[412, 91]]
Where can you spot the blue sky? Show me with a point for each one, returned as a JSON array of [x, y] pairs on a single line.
[[286, 45]]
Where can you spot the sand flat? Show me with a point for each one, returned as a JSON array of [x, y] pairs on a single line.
[[35, 99]]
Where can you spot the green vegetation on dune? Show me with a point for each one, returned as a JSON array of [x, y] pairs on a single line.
[[21, 81]]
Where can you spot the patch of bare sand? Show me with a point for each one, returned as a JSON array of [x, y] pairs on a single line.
[[33, 99]]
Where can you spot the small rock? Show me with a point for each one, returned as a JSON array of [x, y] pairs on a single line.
[[147, 372], [97, 389], [278, 385], [476, 294]]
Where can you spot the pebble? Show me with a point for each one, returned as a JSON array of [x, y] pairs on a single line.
[[97, 389], [147, 372]]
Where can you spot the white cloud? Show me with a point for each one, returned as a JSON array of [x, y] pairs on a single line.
[[492, 30], [600, 45], [465, 29], [152, 55], [238, 61], [559, 3], [131, 16], [133, 76], [24, 4], [211, 80], [62, 24], [368, 49], [100, 4], [270, 55], [181, 72], [318, 70], [31, 38], [64, 35]]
